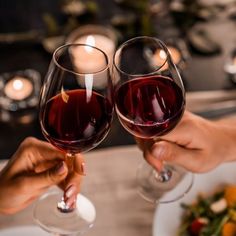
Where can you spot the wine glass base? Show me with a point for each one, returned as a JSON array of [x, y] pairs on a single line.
[[153, 190], [48, 217]]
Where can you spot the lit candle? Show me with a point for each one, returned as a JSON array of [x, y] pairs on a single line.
[[18, 88], [89, 60], [100, 41], [160, 57]]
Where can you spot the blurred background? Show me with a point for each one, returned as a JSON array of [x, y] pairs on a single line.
[[201, 35]]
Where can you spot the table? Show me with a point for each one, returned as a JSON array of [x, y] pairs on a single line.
[[111, 185]]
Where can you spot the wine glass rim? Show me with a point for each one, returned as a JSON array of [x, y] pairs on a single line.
[[106, 67], [160, 42]]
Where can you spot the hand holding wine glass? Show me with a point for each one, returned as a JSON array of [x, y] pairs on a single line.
[[39, 165], [76, 109], [150, 101]]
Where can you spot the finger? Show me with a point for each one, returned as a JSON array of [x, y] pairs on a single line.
[[47, 152], [45, 166], [71, 201], [49, 177], [79, 165], [190, 132], [74, 177], [190, 159], [38, 151], [152, 160], [71, 186]]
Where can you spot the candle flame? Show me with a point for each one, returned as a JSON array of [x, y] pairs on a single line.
[[90, 40], [17, 84], [162, 54]]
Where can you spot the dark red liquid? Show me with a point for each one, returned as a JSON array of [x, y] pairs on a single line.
[[149, 106], [78, 122]]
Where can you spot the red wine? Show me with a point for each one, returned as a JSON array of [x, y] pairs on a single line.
[[77, 120], [149, 106]]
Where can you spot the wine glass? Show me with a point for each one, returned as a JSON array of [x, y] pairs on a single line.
[[149, 102], [76, 108]]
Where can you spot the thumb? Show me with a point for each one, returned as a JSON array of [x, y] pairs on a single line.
[[173, 153], [51, 176]]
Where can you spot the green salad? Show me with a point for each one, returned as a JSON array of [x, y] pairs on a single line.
[[213, 215]]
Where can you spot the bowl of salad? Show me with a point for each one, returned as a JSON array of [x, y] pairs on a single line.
[[209, 209]]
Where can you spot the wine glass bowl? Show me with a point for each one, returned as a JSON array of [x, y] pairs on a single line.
[[76, 109], [149, 102], [75, 113], [149, 119]]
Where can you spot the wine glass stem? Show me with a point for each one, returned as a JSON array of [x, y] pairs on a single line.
[[61, 205], [163, 175]]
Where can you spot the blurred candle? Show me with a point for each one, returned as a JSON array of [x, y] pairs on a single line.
[[160, 57], [18, 88], [88, 59], [100, 41]]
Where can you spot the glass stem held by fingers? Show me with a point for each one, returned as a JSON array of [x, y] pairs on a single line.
[[62, 205]]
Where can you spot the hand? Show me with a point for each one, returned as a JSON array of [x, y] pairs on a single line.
[[196, 143], [35, 167]]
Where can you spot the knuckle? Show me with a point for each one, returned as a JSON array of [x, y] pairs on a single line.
[[29, 141]]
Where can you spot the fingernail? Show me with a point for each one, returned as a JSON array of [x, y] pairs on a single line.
[[71, 190], [83, 168], [60, 168], [71, 201]]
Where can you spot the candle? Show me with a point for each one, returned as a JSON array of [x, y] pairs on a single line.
[[100, 41], [19, 93], [104, 38], [18, 88], [160, 57], [88, 59]]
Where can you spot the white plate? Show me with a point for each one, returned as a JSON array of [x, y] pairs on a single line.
[[167, 217], [24, 230]]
